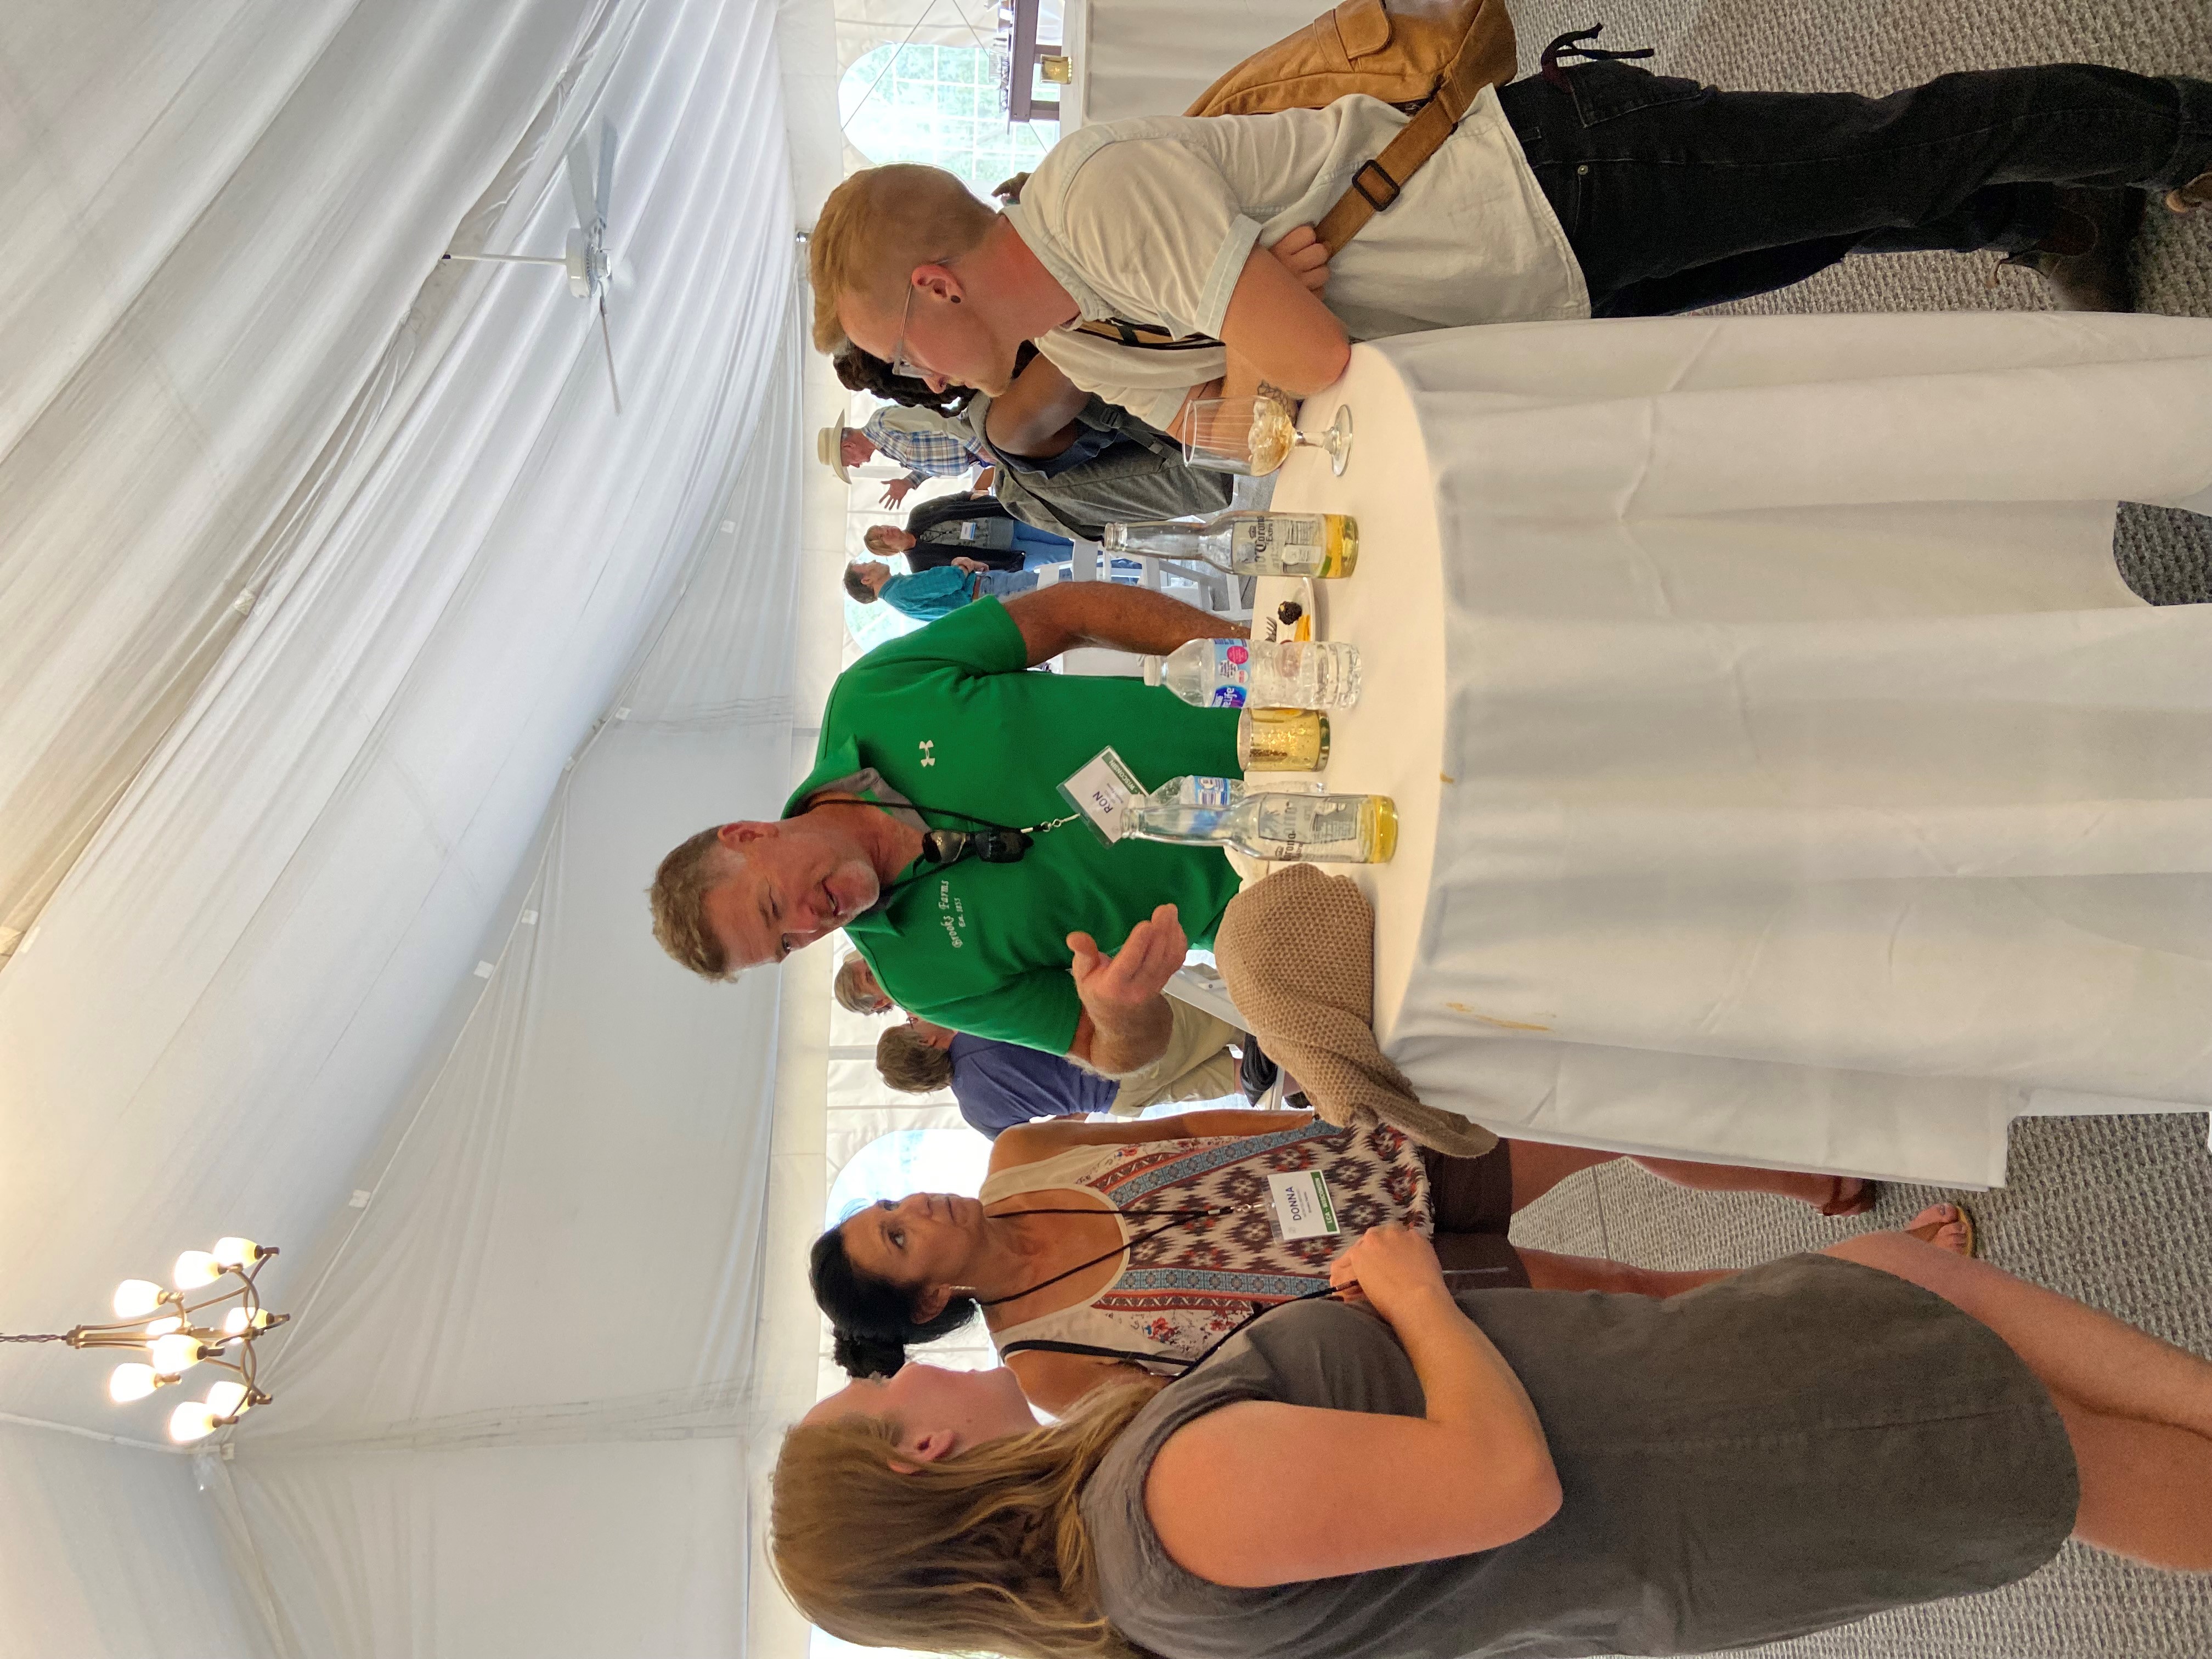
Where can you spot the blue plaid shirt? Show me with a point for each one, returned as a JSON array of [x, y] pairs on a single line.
[[916, 441]]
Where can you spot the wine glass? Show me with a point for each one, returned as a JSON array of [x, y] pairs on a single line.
[[1251, 436]]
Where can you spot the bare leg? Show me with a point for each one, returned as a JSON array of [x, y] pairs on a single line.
[[1548, 1272], [1818, 1190], [2090, 1358], [2144, 1488], [1539, 1166]]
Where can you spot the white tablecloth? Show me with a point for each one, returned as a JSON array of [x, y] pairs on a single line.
[[1786, 774]]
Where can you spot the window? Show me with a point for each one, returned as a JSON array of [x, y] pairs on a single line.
[[940, 105], [909, 1161]]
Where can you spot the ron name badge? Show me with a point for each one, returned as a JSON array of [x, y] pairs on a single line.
[[1102, 792], [1304, 1208]]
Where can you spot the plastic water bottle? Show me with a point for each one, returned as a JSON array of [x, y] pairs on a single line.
[[1323, 829], [1249, 543], [1235, 673]]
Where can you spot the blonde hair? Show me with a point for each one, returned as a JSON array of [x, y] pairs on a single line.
[[678, 898], [905, 1059], [875, 228], [877, 538], [983, 1552]]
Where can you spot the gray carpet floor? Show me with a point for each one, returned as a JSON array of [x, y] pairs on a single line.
[[2115, 1211]]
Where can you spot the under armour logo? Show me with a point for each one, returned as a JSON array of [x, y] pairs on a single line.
[[928, 743]]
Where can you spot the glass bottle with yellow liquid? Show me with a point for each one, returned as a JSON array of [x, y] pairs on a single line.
[[1285, 828], [1249, 543]]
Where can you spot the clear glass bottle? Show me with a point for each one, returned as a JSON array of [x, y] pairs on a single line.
[[1249, 543], [1235, 673], [1321, 829]]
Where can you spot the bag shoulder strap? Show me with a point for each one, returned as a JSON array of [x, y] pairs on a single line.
[[1143, 336], [1378, 182]]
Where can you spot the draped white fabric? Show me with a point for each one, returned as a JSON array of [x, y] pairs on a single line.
[[231, 361], [1787, 776], [218, 290]]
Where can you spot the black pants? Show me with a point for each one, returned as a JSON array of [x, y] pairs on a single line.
[[1675, 195]]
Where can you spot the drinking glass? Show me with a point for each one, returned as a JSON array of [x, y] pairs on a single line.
[[1282, 740], [1251, 436]]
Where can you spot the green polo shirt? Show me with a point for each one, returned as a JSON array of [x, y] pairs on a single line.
[[950, 718]]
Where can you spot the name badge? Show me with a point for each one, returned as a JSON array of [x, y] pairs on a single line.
[[1304, 1208], [1102, 790]]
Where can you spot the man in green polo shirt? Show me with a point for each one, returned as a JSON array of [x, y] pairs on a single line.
[[945, 729]]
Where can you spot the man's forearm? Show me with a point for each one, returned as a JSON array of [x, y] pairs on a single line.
[[1126, 1039], [1112, 617]]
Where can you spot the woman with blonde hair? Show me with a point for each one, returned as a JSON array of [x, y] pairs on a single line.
[[1511, 1472]]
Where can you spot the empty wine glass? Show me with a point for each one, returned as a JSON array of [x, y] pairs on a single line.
[[1254, 435]]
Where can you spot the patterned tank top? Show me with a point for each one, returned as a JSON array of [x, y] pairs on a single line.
[[1187, 1287]]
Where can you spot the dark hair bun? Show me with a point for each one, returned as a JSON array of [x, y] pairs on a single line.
[[866, 1356]]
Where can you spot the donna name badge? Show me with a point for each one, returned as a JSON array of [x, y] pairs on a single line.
[[1304, 1208]]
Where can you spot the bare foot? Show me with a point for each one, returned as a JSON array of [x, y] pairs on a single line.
[[1946, 1226], [1847, 1195]]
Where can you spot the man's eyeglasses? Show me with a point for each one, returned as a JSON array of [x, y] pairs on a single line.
[[900, 364]]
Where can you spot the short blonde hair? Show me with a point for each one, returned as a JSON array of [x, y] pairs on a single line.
[[876, 226], [876, 539], [905, 1059], [678, 898]]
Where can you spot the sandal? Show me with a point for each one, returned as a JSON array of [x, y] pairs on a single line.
[[1868, 1193], [1925, 1231]]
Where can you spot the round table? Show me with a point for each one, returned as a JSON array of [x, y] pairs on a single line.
[[1784, 775]]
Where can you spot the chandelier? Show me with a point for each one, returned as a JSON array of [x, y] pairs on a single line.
[[178, 1330]]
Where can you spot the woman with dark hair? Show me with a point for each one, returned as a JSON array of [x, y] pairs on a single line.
[[1514, 1473], [1120, 1252], [1101, 466]]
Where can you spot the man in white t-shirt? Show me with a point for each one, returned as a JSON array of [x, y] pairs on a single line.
[[1152, 258]]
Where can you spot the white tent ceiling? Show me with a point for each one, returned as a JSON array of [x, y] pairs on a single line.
[[348, 640]]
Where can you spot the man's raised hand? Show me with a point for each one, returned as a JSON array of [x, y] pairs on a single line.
[[1135, 974]]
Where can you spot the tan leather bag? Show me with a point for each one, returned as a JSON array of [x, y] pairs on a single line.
[[1397, 53], [1431, 57]]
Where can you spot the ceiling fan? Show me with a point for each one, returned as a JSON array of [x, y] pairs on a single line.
[[589, 265]]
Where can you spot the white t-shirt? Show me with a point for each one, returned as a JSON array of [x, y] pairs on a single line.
[[1152, 220]]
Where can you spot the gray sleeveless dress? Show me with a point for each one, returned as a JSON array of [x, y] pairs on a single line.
[[1782, 1451]]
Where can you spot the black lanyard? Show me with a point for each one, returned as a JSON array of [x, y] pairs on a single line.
[[992, 843], [1174, 1218]]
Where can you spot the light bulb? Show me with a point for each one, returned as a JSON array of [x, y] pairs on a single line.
[[195, 1268], [237, 1252], [226, 1399], [163, 1327], [192, 1421], [173, 1353], [128, 1382], [235, 1322], [137, 1298]]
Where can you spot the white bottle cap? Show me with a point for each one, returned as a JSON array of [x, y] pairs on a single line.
[[1152, 671]]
